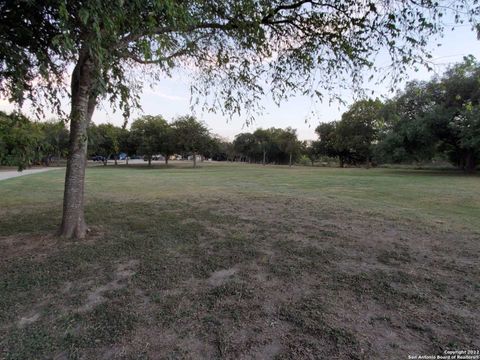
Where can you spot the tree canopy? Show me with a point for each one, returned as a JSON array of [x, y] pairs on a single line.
[[358, 130], [24, 142], [105, 140], [273, 145], [192, 136], [297, 46], [149, 133], [439, 117]]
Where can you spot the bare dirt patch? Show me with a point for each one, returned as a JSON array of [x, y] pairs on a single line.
[[28, 320], [121, 275], [388, 287], [220, 277]]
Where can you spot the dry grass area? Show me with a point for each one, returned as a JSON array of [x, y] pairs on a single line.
[[242, 262]]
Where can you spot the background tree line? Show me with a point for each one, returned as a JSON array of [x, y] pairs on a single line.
[[428, 119], [188, 137], [150, 136], [273, 145], [24, 142]]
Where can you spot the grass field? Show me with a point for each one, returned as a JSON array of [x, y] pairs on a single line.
[[238, 261]]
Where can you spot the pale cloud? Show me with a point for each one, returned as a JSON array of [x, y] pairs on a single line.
[[163, 95]]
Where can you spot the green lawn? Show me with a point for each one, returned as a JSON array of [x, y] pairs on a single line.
[[239, 261]]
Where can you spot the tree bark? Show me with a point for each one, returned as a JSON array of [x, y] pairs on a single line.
[[290, 160], [166, 160], [82, 106], [149, 160], [470, 164], [264, 155], [194, 159]]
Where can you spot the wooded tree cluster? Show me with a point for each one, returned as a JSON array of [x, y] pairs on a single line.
[[273, 145], [150, 136], [24, 142], [428, 119]]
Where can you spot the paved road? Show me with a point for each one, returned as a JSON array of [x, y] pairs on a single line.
[[8, 174]]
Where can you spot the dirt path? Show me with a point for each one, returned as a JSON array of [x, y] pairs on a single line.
[[8, 174]]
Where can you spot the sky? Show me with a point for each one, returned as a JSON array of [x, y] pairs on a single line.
[[171, 96]]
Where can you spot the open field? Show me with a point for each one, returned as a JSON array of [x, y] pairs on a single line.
[[239, 261]]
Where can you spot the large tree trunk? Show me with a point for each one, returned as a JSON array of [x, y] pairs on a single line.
[[470, 164], [166, 160], [290, 160], [82, 107], [264, 155], [194, 159]]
